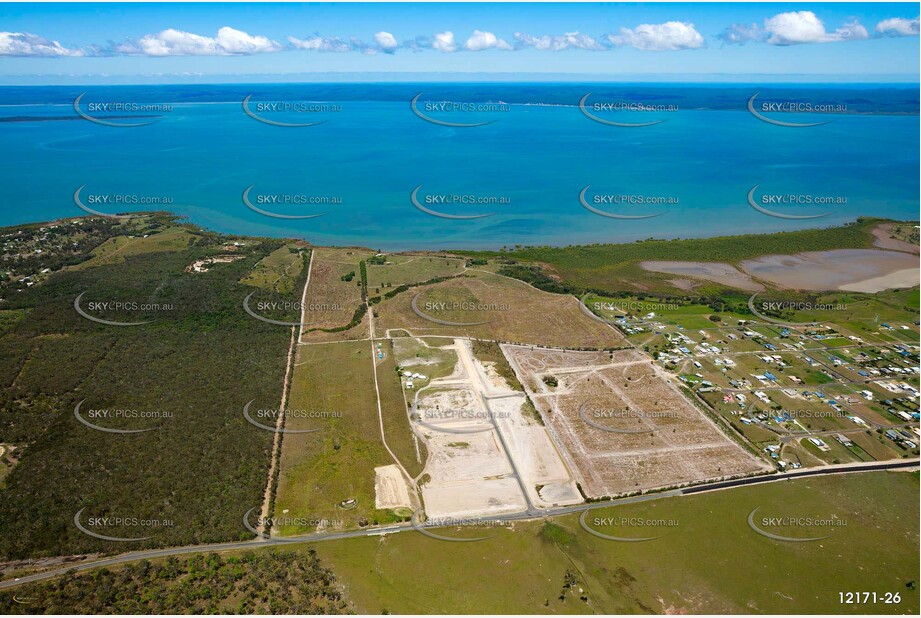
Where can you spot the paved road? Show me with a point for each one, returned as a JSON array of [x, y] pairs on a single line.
[[331, 536]]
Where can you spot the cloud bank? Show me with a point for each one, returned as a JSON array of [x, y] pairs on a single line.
[[782, 29], [805, 27]]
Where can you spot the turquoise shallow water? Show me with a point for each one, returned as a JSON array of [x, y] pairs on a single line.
[[703, 159]]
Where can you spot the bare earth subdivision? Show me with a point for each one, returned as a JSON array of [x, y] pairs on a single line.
[[622, 424]]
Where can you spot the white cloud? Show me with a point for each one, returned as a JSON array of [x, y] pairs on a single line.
[[740, 34], [480, 40], [321, 44], [794, 28], [669, 36], [386, 42], [25, 44], [569, 40], [444, 42], [171, 42], [798, 27], [898, 26], [234, 41]]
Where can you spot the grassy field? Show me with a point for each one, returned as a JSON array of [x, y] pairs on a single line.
[[322, 471], [408, 269], [118, 249], [712, 562], [334, 294], [396, 420], [672, 312], [280, 270], [426, 358], [863, 312], [512, 311]]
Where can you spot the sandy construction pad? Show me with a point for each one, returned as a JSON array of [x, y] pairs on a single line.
[[547, 480], [390, 489], [488, 453], [469, 476], [473, 499]]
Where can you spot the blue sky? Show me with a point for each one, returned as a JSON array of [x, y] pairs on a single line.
[[137, 43]]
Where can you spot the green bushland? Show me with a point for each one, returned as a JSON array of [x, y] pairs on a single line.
[[195, 365], [267, 582], [363, 269]]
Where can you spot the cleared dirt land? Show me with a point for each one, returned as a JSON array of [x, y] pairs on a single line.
[[623, 425], [488, 306]]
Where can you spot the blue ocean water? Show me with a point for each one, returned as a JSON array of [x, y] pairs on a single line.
[[534, 157]]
